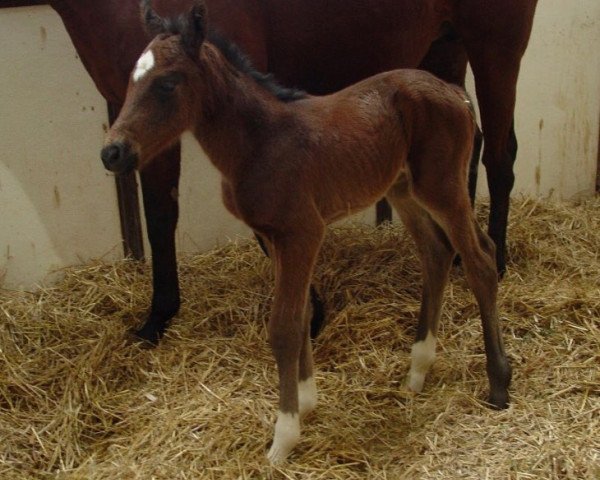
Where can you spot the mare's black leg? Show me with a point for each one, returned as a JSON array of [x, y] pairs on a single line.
[[318, 308], [495, 44], [159, 187], [501, 180]]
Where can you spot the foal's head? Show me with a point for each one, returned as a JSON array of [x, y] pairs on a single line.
[[162, 89]]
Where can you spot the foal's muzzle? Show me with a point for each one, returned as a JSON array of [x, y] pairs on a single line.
[[118, 157]]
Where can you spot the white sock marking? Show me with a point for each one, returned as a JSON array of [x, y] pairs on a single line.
[[143, 65], [422, 356], [287, 435], [307, 396]]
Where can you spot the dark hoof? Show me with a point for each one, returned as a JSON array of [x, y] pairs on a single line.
[[318, 313], [147, 337], [499, 400], [134, 338], [500, 375]]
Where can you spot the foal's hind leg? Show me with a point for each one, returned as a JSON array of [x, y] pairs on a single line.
[[436, 255], [477, 252]]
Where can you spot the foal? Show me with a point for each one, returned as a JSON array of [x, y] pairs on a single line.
[[292, 163]]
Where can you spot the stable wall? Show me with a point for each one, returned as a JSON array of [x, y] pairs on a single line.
[[58, 205]]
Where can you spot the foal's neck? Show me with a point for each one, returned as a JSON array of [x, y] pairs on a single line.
[[236, 116]]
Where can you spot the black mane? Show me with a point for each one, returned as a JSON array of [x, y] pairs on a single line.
[[242, 62], [234, 55]]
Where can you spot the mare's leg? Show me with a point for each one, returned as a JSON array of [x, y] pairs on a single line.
[[477, 253], [496, 92], [159, 187], [317, 308], [294, 257], [495, 35], [436, 255]]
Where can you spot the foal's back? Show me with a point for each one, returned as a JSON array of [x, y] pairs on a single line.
[[365, 137]]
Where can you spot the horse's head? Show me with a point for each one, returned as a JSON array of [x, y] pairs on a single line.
[[160, 95]]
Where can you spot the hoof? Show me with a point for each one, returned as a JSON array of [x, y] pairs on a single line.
[[499, 400], [134, 337], [148, 336], [500, 376]]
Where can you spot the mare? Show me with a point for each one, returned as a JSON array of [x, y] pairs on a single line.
[[291, 163], [319, 47]]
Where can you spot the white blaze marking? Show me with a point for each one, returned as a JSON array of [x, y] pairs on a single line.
[[143, 65], [287, 435], [422, 356], [307, 396]]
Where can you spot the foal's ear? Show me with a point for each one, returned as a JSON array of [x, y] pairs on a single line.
[[152, 22], [194, 32]]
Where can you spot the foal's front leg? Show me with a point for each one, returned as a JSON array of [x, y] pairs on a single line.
[[294, 258]]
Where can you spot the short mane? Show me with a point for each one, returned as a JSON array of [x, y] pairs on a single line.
[[242, 62], [234, 55]]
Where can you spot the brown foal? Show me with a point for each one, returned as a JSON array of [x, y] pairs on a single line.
[[292, 163]]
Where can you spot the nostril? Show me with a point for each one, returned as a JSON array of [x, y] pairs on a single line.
[[118, 157], [111, 154]]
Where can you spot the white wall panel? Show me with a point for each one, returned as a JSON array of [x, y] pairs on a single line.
[[57, 205]]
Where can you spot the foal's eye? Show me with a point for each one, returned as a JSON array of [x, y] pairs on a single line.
[[166, 86]]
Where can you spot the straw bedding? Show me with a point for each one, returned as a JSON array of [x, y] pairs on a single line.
[[76, 401]]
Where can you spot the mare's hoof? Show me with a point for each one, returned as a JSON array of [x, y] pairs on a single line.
[[144, 337], [499, 400], [133, 338]]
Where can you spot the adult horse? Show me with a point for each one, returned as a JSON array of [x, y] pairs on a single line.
[[319, 46]]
